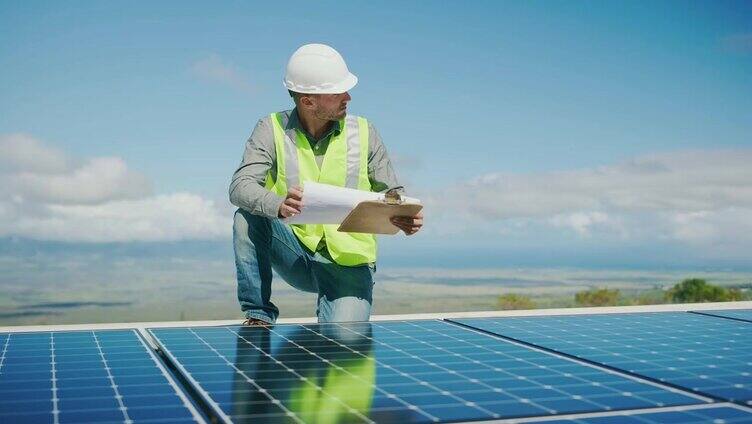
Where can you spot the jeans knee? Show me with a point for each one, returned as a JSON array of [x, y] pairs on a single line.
[[247, 226], [344, 309]]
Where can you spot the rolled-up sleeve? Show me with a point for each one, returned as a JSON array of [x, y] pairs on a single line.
[[380, 171], [247, 189]]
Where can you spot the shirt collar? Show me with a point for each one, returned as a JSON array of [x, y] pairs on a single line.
[[294, 123]]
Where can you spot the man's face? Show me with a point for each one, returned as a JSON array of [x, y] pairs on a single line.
[[330, 107]]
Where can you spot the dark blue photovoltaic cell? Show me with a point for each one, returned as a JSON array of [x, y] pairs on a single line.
[[406, 371], [720, 414], [703, 354], [742, 314], [85, 376]]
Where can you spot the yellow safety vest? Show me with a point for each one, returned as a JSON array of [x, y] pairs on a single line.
[[345, 164], [344, 389]]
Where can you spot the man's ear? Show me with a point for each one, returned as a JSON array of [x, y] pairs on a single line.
[[307, 102]]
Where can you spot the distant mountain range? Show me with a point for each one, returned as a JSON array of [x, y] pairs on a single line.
[[402, 252]]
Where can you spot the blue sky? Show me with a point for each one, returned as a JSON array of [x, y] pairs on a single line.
[[469, 97]]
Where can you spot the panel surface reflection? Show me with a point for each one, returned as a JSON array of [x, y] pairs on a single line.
[[406, 371], [701, 353]]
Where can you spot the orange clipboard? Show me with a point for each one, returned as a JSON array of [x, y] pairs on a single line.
[[373, 217]]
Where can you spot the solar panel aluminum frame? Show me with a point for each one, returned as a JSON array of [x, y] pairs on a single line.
[[171, 379], [725, 314], [210, 407], [142, 326]]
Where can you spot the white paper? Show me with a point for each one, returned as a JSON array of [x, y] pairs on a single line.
[[328, 204]]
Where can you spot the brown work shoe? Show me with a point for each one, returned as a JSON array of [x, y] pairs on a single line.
[[254, 322]]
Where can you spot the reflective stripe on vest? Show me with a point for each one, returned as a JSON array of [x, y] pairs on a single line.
[[345, 164]]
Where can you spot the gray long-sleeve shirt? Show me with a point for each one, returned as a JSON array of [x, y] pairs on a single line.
[[247, 189]]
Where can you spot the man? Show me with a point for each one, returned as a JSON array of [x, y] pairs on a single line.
[[315, 141]]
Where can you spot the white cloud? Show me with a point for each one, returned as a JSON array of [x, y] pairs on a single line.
[[47, 195], [699, 197], [681, 182], [33, 171], [95, 181], [213, 68], [726, 226], [692, 198], [21, 152], [580, 222], [157, 218]]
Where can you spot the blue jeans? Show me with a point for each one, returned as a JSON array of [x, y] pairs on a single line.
[[262, 244]]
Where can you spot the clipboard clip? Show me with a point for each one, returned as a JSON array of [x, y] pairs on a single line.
[[392, 197]]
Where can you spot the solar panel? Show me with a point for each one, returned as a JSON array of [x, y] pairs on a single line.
[[406, 371], [86, 376], [740, 314], [700, 353], [725, 414]]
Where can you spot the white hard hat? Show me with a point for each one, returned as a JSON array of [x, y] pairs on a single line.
[[318, 69]]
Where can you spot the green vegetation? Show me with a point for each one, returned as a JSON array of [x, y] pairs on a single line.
[[693, 290], [645, 297], [597, 297], [515, 301], [689, 290]]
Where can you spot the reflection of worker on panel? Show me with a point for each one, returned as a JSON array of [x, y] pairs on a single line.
[[277, 364], [316, 141]]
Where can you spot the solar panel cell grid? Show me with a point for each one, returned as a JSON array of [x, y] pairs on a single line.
[[85, 376], [417, 371], [700, 353]]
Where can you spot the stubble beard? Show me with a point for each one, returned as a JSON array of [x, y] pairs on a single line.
[[332, 116]]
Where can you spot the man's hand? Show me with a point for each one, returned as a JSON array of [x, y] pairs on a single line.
[[293, 203], [409, 224]]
